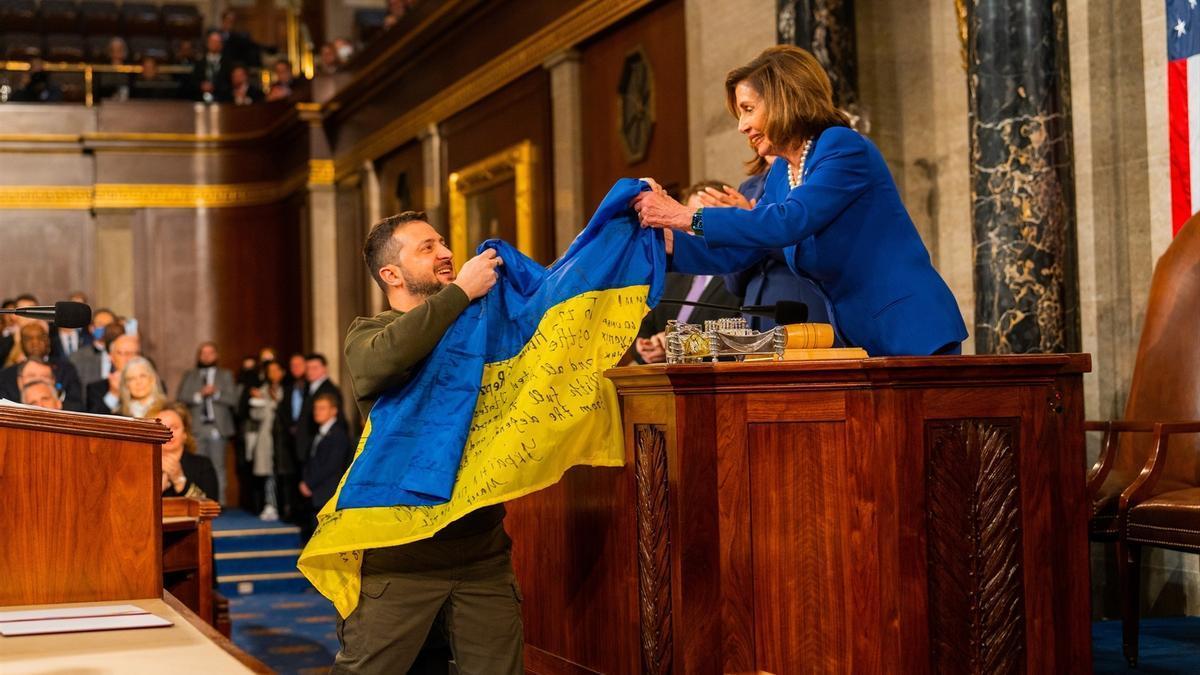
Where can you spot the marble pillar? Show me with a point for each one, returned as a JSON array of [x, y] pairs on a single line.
[[566, 101], [1022, 185], [826, 28], [431, 160]]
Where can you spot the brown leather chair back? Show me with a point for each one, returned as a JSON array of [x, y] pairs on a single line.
[[1166, 374]]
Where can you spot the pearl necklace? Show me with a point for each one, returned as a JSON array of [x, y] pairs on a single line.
[[796, 174]]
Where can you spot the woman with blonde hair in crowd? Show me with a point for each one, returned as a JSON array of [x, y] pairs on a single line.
[[141, 391], [184, 473]]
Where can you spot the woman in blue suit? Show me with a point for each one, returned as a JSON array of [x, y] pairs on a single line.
[[830, 203]]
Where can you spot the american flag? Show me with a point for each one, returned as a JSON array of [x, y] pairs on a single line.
[[1183, 103]]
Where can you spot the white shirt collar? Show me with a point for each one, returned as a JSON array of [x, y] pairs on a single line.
[[324, 430], [312, 386]]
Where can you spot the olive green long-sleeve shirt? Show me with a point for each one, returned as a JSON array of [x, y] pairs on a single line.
[[381, 352]]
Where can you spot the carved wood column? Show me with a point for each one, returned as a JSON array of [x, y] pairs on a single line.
[[654, 551]]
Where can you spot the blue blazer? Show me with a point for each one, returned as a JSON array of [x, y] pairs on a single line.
[[846, 229]]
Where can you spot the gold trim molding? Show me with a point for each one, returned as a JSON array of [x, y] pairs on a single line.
[[68, 197], [147, 195], [587, 19], [320, 172], [516, 163]]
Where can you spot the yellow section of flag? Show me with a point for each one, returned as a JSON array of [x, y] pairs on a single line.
[[538, 414]]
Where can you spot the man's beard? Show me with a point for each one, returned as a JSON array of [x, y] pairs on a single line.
[[423, 287]]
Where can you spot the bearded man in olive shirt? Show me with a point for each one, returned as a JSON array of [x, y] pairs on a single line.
[[461, 580]]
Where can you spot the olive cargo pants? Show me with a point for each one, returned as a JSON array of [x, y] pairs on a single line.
[[466, 585]]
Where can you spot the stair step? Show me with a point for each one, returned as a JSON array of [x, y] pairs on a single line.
[[271, 540], [256, 562], [247, 584]]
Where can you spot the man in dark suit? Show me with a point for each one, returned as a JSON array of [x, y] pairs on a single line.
[[287, 416], [239, 47], [331, 454], [211, 73], [35, 343], [210, 392], [316, 372], [92, 361]]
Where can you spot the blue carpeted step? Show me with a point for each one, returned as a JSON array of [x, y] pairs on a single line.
[[257, 562], [235, 585], [258, 539]]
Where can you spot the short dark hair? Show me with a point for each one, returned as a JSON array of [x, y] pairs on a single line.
[[316, 356], [112, 331], [8, 303], [328, 396], [381, 248], [27, 296]]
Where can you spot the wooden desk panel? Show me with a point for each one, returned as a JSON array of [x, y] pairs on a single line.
[[79, 515], [888, 515]]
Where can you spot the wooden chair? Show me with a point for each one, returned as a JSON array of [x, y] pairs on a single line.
[[1141, 495]]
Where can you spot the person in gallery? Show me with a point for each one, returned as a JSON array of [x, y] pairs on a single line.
[[829, 203]]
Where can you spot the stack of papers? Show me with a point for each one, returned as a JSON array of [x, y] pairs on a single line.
[[77, 620]]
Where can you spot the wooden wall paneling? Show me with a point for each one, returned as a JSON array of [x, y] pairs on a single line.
[[802, 587], [516, 113], [735, 527], [352, 277], [660, 32], [871, 569], [256, 279], [696, 600], [46, 253], [114, 269], [898, 439], [124, 554]]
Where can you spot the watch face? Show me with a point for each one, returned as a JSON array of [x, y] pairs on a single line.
[[635, 106]]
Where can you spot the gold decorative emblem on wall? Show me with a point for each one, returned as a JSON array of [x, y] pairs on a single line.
[[493, 198], [635, 105]]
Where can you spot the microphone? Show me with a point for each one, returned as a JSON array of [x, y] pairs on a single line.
[[782, 312], [64, 314]]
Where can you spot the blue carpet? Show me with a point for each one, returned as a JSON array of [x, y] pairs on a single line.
[[255, 556], [1167, 646], [290, 632]]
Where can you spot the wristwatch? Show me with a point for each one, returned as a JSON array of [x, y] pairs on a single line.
[[698, 222]]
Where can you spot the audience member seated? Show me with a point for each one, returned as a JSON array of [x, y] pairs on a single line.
[[238, 46], [211, 74], [114, 85], [152, 84], [285, 81], [68, 341], [141, 391], [36, 86], [242, 90], [184, 473], [10, 345], [35, 345], [104, 395], [42, 394], [332, 451]]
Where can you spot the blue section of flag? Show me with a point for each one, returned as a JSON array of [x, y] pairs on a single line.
[[1183, 29], [418, 431]]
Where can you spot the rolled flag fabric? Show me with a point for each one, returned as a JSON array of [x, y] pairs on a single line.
[[512, 396]]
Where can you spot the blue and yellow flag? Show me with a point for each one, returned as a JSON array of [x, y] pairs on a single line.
[[512, 396]]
